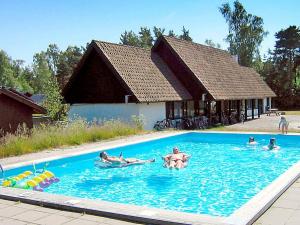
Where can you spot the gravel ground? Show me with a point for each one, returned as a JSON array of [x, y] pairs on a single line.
[[268, 123]]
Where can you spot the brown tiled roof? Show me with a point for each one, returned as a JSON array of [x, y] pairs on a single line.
[[144, 72], [219, 73], [11, 93]]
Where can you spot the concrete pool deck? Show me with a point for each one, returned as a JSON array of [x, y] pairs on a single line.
[[19, 161], [285, 211]]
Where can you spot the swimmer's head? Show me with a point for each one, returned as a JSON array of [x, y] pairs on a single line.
[[272, 140], [103, 155], [175, 150], [251, 139]]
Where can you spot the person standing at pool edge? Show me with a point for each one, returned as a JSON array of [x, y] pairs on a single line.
[[283, 123]]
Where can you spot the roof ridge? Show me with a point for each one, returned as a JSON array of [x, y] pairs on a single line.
[[195, 43], [129, 46]]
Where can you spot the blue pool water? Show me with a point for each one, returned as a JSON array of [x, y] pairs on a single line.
[[223, 173]]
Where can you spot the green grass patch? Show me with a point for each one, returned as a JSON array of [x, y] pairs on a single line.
[[296, 113], [53, 136]]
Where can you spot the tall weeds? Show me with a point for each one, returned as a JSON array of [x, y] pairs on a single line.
[[53, 136]]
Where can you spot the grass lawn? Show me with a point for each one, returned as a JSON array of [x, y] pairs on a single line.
[[54, 136], [292, 113]]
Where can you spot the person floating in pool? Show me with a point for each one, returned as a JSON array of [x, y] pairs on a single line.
[[284, 124], [272, 145], [114, 160], [177, 160], [252, 141]]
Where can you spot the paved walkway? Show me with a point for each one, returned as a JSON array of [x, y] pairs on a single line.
[[268, 124], [286, 210], [16, 213]]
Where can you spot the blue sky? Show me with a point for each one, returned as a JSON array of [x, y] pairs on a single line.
[[30, 26]]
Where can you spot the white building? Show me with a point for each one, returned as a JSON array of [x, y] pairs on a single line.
[[174, 79]]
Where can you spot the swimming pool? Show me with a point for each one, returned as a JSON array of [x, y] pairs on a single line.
[[223, 173]]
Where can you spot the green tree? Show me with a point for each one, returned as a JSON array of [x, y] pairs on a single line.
[[158, 32], [53, 101], [287, 52], [185, 35], [67, 62], [246, 32], [210, 43], [172, 33], [7, 77], [53, 57], [12, 73], [41, 72], [145, 38], [129, 38]]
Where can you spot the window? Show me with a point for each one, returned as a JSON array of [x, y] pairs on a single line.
[[249, 106], [177, 110], [201, 107], [256, 104], [169, 110], [234, 105], [190, 108], [213, 107]]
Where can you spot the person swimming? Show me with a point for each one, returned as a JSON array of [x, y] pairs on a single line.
[[252, 141], [105, 158], [177, 160], [272, 145]]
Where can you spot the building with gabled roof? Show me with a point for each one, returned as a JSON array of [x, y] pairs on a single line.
[[16, 109], [174, 79]]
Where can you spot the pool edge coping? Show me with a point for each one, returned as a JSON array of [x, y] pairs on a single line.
[[244, 215]]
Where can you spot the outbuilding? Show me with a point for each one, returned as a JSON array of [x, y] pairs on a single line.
[[16, 109]]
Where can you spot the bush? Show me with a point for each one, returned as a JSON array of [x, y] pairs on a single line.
[[62, 134]]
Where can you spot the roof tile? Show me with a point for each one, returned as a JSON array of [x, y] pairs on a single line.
[[148, 77], [220, 74]]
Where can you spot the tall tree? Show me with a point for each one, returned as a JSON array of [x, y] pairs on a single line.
[[41, 72], [67, 62], [185, 35], [172, 33], [12, 73], [7, 77], [210, 43], [53, 57], [145, 37], [246, 32], [53, 100], [129, 38], [287, 51], [158, 32]]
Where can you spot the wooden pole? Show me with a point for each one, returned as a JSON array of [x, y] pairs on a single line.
[[252, 106], [246, 116], [259, 104], [239, 110], [219, 111], [229, 111]]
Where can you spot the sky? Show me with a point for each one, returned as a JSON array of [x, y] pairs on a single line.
[[28, 27]]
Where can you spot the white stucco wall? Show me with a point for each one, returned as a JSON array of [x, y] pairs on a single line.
[[265, 103], [151, 112], [104, 111]]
